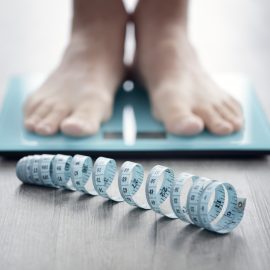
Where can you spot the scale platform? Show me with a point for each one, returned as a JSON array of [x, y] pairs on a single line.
[[132, 131]]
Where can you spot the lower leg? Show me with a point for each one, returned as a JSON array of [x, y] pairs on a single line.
[[182, 94]]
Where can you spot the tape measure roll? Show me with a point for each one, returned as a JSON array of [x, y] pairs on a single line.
[[232, 215], [132, 185], [158, 189], [20, 169], [204, 202], [81, 172], [61, 170], [35, 170], [194, 198], [181, 188], [104, 179]]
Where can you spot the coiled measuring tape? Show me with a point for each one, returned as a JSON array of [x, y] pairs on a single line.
[[206, 203]]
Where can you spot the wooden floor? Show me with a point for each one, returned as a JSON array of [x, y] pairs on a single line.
[[48, 229]]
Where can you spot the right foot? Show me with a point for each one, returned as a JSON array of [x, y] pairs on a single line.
[[183, 96], [78, 96]]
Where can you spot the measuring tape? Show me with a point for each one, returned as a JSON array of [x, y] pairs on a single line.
[[206, 203]]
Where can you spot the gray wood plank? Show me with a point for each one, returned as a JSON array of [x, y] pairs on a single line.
[[46, 228]]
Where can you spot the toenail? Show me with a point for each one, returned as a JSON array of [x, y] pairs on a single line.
[[224, 127], [29, 124], [45, 128], [238, 123], [188, 126], [72, 127], [179, 127]]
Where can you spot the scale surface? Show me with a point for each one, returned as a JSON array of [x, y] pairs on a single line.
[[132, 131]]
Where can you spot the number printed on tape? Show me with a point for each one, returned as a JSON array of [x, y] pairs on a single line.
[[206, 203]]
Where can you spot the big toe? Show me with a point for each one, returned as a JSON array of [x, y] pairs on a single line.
[[50, 124], [85, 120], [177, 117], [214, 121], [33, 119], [79, 126], [184, 124]]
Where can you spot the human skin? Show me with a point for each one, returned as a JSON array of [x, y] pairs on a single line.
[[78, 96]]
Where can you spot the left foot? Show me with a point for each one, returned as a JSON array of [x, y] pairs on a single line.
[[183, 96]]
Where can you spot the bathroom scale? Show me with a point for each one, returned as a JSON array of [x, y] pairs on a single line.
[[132, 130]]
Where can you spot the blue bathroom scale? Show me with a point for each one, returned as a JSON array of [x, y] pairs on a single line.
[[132, 131]]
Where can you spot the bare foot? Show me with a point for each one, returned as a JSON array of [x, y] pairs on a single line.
[[183, 96], [78, 96]]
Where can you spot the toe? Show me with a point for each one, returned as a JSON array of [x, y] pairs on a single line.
[[85, 120], [214, 122], [234, 106], [32, 103], [180, 120], [79, 125], [51, 122], [188, 124], [33, 119], [235, 119]]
